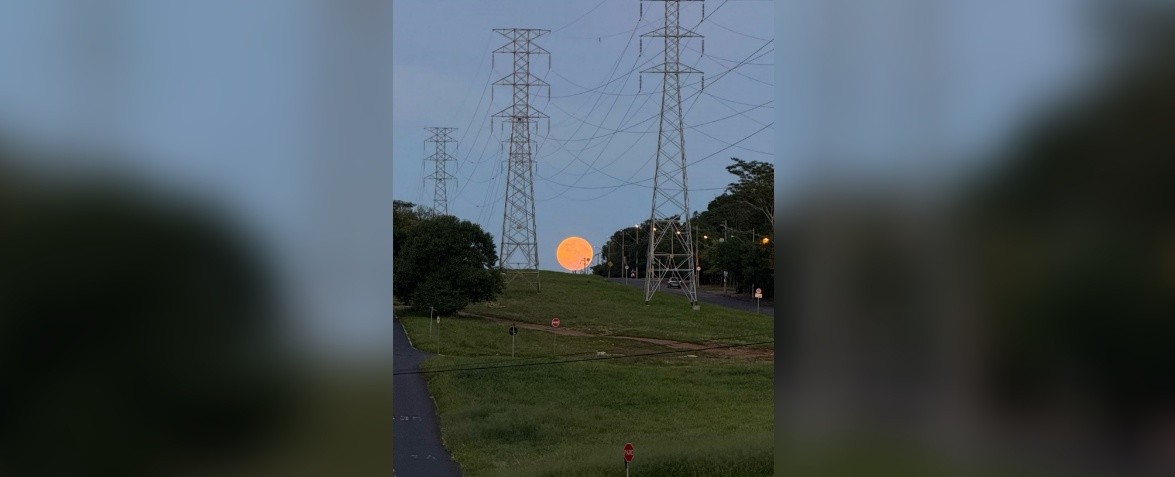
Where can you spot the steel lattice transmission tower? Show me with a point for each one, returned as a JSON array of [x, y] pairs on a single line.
[[520, 251], [671, 247], [440, 139]]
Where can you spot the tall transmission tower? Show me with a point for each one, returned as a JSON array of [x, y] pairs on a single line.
[[520, 251], [671, 248], [440, 138]]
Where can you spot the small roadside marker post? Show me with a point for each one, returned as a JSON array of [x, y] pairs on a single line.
[[513, 331], [430, 322], [555, 339]]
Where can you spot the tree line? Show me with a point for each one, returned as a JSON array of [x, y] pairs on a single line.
[[734, 235]]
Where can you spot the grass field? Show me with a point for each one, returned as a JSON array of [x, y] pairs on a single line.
[[684, 415], [593, 304]]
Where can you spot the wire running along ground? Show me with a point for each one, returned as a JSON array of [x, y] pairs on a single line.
[[579, 353], [596, 358]]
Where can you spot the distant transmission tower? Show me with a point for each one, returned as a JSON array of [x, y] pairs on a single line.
[[671, 248], [440, 176], [520, 251]]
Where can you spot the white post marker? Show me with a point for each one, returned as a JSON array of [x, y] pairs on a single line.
[[430, 312], [627, 457], [758, 295]]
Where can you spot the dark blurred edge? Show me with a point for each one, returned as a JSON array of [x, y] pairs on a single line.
[[1018, 322], [151, 331]]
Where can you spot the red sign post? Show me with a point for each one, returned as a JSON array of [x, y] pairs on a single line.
[[554, 336], [627, 457]]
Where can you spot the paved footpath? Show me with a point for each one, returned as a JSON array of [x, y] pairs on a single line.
[[418, 449]]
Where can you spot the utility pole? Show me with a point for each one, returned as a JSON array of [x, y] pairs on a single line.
[[697, 248], [440, 176], [669, 224], [726, 235], [519, 250]]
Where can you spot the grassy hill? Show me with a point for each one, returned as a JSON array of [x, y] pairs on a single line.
[[593, 304], [685, 413]]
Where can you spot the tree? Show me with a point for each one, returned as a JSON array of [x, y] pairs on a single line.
[[403, 218], [749, 202], [627, 246], [445, 263], [738, 220], [729, 232]]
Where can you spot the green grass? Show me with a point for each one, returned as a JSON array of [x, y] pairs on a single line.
[[685, 416], [475, 337], [592, 304]]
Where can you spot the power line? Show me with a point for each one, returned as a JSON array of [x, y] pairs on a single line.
[[753, 37], [581, 17], [577, 353], [596, 358], [612, 188], [695, 96], [724, 59], [728, 146]]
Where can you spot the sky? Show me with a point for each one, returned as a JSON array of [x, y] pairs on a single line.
[[867, 90], [304, 119], [594, 160]]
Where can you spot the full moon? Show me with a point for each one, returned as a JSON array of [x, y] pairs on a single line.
[[574, 253]]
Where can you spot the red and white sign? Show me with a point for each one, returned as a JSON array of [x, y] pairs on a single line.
[[758, 293], [555, 323], [628, 452]]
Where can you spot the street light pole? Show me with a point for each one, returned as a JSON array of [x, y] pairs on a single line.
[[726, 235]]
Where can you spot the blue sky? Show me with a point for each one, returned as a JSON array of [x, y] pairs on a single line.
[[867, 90], [296, 116], [592, 179]]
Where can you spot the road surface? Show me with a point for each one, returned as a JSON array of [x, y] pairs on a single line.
[[706, 297], [418, 449]]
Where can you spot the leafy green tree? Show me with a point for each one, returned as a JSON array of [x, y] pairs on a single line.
[[403, 218], [627, 246], [736, 223], [749, 202], [445, 263], [729, 233]]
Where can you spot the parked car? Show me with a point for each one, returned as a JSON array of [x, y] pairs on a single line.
[[674, 283]]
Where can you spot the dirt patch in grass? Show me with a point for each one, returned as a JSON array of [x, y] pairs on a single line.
[[736, 352]]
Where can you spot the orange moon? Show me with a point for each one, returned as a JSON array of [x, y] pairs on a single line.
[[571, 253]]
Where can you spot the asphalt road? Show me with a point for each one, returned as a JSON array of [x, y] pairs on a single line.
[[706, 297], [418, 448]]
